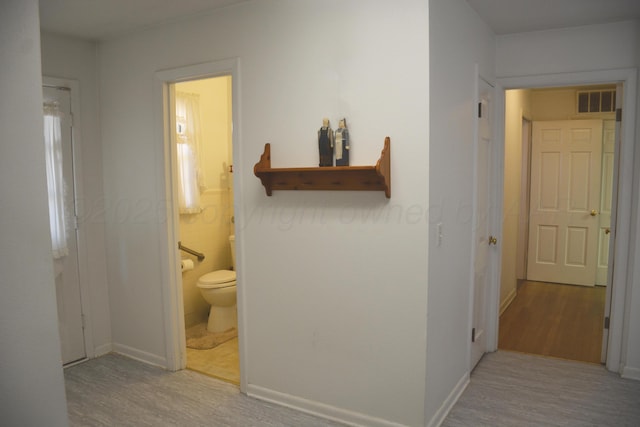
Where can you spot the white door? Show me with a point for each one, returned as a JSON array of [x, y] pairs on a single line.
[[67, 278], [481, 217], [612, 215], [565, 201], [606, 198]]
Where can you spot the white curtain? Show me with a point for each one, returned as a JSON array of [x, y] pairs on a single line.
[[188, 148], [55, 180]]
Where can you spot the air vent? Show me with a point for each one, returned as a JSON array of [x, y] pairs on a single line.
[[596, 101]]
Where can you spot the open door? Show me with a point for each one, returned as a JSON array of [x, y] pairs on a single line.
[[612, 221], [58, 127], [482, 240]]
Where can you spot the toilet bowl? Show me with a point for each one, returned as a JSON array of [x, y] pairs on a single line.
[[218, 288]]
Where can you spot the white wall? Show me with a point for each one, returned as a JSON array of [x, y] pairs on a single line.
[[334, 283], [74, 59], [582, 49], [594, 47], [631, 356], [459, 39], [31, 380], [517, 106]]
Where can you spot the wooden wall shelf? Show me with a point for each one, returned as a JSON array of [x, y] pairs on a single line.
[[345, 178]]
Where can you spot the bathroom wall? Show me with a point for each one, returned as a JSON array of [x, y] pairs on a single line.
[[208, 231]]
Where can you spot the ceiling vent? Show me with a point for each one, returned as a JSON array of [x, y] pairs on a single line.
[[596, 101]]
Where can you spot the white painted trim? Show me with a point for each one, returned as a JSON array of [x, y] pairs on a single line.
[[317, 409], [139, 355], [449, 402], [83, 261], [103, 349], [621, 278], [631, 373], [508, 300], [173, 308]]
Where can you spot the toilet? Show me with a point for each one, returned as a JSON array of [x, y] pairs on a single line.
[[218, 288]]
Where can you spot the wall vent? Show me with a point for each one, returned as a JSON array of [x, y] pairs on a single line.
[[596, 101]]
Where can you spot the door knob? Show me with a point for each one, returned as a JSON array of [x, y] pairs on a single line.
[[594, 212], [607, 230], [493, 240]]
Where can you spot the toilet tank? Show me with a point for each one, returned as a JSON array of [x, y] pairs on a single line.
[[232, 241]]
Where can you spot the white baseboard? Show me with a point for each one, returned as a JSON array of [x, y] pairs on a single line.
[[508, 300], [318, 409], [631, 373], [103, 349], [451, 400], [142, 356]]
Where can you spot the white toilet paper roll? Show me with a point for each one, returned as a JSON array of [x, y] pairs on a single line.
[[186, 264]]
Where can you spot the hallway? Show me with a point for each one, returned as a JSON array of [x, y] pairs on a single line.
[[555, 320], [513, 389]]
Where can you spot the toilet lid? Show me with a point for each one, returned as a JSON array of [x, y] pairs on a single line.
[[217, 277]]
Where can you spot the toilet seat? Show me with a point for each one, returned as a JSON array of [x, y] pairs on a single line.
[[217, 279]]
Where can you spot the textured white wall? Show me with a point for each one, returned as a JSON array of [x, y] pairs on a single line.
[[459, 39], [335, 283], [68, 58], [31, 380]]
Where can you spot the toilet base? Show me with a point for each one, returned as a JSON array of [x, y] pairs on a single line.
[[222, 318]]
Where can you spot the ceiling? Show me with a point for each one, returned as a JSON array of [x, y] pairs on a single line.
[[517, 16], [103, 19]]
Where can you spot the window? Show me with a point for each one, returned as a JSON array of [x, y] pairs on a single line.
[[187, 147], [55, 179]]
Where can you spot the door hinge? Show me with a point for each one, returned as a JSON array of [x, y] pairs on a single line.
[[606, 322], [75, 222], [619, 115], [473, 334], [479, 110], [83, 321]]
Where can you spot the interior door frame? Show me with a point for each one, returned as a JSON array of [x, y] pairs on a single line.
[[173, 307], [83, 261], [624, 188]]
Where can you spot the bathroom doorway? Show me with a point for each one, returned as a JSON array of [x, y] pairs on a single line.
[[202, 134]]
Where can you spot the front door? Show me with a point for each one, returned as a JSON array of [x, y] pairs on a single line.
[[67, 280], [565, 201], [481, 237]]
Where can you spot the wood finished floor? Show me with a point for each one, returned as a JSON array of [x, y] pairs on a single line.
[[556, 320]]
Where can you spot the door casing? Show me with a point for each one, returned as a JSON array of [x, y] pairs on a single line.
[[173, 308], [624, 187], [83, 262]]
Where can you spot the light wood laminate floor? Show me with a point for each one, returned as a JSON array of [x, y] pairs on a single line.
[[221, 362], [556, 320]]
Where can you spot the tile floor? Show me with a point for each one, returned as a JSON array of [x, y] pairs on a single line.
[[220, 362]]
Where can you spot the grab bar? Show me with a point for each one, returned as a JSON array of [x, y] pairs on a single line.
[[191, 251]]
